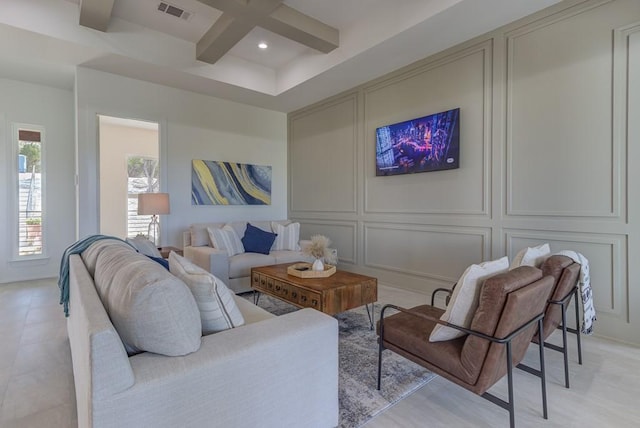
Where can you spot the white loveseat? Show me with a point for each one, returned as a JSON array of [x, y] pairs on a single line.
[[271, 372], [235, 271]]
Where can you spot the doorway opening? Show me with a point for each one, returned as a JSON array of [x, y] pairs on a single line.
[[129, 165]]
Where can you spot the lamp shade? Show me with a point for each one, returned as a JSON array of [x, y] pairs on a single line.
[[153, 203]]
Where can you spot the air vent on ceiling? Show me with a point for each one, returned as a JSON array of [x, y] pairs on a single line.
[[172, 10]]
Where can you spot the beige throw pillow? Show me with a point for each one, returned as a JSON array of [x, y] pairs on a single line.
[[218, 310], [464, 300], [531, 256]]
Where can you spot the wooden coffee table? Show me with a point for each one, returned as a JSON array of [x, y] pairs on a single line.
[[334, 294]]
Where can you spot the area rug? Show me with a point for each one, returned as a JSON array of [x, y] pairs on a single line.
[[358, 364]]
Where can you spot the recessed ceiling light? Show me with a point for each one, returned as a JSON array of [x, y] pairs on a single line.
[[263, 45]]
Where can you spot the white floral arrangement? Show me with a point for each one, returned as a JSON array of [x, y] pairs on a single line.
[[319, 249]]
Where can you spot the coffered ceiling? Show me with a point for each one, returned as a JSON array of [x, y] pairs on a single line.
[[316, 48]]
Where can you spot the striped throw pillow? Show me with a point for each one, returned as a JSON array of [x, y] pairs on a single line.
[[218, 309], [288, 236], [226, 239]]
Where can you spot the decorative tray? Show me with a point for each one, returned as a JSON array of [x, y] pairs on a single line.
[[303, 270]]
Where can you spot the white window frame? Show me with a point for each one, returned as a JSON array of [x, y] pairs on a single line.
[[15, 192]]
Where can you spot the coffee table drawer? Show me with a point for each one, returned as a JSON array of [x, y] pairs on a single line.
[[280, 289], [262, 282], [309, 299]]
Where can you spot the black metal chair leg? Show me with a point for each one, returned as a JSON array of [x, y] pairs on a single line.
[[512, 416], [565, 350], [578, 328], [542, 372], [380, 348]]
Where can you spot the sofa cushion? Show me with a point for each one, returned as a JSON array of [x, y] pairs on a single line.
[[240, 265], [287, 236], [256, 240], [200, 234], [144, 246], [218, 309], [531, 256], [91, 254], [151, 309], [226, 239], [464, 299]]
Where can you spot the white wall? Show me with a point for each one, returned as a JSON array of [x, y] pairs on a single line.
[[53, 109], [548, 153], [192, 126]]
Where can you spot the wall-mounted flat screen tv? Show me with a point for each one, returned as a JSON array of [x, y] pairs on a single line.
[[429, 143]]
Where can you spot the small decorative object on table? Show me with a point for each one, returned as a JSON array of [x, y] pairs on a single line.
[[319, 249]]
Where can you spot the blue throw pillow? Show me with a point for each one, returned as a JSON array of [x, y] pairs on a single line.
[[256, 240], [163, 262]]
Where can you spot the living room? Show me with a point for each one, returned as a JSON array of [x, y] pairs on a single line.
[[546, 106]]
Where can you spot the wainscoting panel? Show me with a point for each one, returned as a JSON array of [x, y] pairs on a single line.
[[564, 153], [461, 80], [438, 253], [322, 157], [343, 236], [607, 259]]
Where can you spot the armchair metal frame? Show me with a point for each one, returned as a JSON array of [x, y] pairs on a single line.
[[449, 291], [563, 303], [507, 405]]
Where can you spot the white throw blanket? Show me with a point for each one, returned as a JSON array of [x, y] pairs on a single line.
[[588, 311]]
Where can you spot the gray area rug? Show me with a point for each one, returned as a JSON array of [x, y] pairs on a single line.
[[358, 354]]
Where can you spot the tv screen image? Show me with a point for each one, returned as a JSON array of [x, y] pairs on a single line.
[[429, 143]]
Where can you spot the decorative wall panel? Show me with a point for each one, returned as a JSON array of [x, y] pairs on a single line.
[[322, 158], [342, 235], [439, 253], [563, 156]]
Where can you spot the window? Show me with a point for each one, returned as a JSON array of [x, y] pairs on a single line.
[[30, 183], [142, 173]]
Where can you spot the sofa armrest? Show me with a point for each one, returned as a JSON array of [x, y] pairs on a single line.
[[278, 372], [210, 259]]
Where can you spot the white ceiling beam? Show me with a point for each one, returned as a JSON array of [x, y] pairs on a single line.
[[288, 22], [221, 37], [241, 16], [96, 14], [238, 19]]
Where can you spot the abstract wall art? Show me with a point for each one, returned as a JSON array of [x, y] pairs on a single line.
[[227, 183]]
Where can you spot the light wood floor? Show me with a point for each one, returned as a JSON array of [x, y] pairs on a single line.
[[36, 379]]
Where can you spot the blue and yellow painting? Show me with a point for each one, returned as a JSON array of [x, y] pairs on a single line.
[[227, 183]]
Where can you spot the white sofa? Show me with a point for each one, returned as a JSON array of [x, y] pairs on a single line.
[[235, 271], [271, 372]]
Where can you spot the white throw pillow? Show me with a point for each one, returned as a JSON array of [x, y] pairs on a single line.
[[288, 236], [226, 239], [144, 246], [464, 300], [218, 310], [531, 256]]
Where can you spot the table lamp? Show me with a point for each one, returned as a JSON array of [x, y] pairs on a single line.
[[153, 204]]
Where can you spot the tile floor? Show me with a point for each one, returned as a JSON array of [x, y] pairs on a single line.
[[36, 378]]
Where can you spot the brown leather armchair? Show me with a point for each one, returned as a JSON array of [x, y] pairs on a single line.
[[565, 273], [510, 306]]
